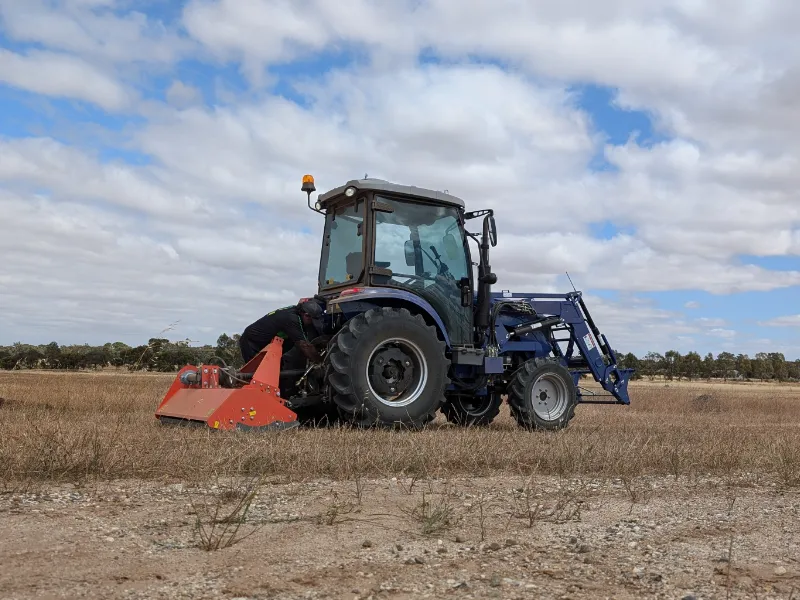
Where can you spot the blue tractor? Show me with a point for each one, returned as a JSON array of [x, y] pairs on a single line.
[[411, 329]]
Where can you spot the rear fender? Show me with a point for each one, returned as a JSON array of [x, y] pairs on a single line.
[[353, 303]]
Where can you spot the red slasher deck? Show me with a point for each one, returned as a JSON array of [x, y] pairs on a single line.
[[197, 397]]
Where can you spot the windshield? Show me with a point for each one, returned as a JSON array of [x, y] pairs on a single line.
[[342, 247], [424, 248]]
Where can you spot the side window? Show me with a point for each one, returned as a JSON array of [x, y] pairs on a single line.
[[343, 258]]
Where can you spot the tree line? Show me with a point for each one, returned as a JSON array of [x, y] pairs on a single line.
[[726, 365], [160, 354]]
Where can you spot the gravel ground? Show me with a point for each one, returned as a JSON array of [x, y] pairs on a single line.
[[461, 538]]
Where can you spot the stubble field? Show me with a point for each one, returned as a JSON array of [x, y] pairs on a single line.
[[692, 491]]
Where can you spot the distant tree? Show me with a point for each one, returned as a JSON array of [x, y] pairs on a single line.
[[794, 369], [652, 364], [630, 361], [779, 369], [116, 353], [726, 363], [744, 366], [692, 366], [228, 350], [672, 364], [709, 366], [52, 355], [762, 366]]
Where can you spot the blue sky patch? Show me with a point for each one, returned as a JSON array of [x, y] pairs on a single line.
[[773, 263], [607, 230], [617, 125]]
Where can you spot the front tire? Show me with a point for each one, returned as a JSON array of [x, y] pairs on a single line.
[[542, 395], [388, 368]]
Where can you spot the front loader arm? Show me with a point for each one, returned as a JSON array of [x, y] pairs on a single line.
[[567, 313]]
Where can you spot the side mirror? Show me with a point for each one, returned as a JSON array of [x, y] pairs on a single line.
[[450, 246], [408, 247], [492, 231]]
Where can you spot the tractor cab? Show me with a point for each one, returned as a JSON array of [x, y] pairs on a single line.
[[407, 239]]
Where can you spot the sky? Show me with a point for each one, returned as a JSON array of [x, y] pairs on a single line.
[[152, 153]]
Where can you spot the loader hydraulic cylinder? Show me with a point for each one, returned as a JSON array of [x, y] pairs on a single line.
[[529, 327]]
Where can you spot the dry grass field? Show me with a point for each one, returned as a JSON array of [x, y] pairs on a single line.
[[67, 427], [692, 491]]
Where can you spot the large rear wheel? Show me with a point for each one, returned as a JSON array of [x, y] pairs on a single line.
[[388, 368], [542, 395]]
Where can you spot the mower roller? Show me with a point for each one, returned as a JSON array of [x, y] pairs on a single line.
[[410, 329]]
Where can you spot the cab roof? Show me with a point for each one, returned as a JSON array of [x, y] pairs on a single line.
[[380, 185]]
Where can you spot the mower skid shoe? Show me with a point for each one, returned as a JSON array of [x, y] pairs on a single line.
[[197, 397]]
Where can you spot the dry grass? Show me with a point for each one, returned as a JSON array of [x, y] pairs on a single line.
[[76, 426]]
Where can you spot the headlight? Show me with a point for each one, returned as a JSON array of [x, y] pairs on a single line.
[[350, 192]]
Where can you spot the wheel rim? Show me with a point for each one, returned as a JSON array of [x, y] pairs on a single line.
[[397, 372], [549, 397]]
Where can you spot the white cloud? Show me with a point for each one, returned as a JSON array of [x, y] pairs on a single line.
[[787, 321], [182, 95], [62, 75], [723, 333], [711, 322], [90, 28], [692, 304], [102, 280], [34, 163]]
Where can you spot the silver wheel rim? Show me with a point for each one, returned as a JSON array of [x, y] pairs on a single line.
[[420, 372], [549, 397]]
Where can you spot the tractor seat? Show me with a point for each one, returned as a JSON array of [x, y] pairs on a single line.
[[353, 264]]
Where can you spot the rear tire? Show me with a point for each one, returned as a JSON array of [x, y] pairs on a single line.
[[472, 411], [388, 368], [542, 395]]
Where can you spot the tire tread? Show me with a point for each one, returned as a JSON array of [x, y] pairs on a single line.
[[354, 409]]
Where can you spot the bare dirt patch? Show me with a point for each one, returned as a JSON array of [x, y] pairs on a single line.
[[501, 537]]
